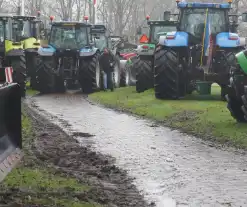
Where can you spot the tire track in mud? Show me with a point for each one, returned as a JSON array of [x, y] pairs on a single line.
[[170, 168], [111, 186]]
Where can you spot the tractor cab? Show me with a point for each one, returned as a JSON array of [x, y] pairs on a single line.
[[101, 37], [69, 35], [5, 32], [22, 27], [196, 18]]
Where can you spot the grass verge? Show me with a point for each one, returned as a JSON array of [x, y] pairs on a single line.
[[34, 183], [203, 116]]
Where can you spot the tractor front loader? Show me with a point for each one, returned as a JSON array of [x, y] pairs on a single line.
[[10, 128], [145, 53], [201, 51], [68, 58]]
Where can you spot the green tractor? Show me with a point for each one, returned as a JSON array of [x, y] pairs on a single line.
[[143, 66], [237, 93], [11, 51], [27, 30]]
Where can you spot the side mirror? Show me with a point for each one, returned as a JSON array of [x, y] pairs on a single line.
[[244, 17], [139, 31]]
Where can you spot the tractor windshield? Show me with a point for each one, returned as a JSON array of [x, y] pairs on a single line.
[[21, 29], [69, 36], [159, 30], [193, 20]]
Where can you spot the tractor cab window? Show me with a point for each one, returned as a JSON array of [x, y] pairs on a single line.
[[101, 42], [21, 29], [193, 21], [69, 36], [160, 30], [2, 31]]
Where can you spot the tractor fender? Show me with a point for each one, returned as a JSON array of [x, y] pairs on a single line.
[[180, 39], [242, 41], [87, 52], [242, 60], [46, 51], [15, 52], [223, 40]]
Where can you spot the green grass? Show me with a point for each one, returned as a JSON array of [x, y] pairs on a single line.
[[205, 116], [30, 91], [41, 181]]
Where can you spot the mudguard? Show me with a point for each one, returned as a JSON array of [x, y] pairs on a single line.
[[46, 51], [180, 39], [9, 46], [15, 52], [31, 43], [242, 60], [87, 52], [10, 128], [223, 39]]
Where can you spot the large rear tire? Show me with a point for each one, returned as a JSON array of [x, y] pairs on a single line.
[[144, 76], [46, 80], [168, 74], [18, 64], [90, 74]]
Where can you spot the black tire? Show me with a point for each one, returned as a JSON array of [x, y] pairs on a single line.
[[144, 75], [123, 77], [46, 80], [18, 64], [90, 74], [33, 71], [228, 61], [168, 83], [235, 104]]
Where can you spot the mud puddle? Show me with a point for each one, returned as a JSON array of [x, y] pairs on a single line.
[[170, 168]]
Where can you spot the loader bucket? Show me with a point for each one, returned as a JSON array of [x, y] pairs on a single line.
[[10, 128]]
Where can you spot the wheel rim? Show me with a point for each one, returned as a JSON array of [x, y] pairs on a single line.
[[97, 74], [116, 74]]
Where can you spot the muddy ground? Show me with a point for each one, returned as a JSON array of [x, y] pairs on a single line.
[[170, 168], [52, 147]]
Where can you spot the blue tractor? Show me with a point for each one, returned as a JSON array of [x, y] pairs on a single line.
[[201, 51], [69, 58]]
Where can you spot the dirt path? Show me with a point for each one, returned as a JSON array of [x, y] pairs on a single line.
[[109, 186], [171, 168]]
